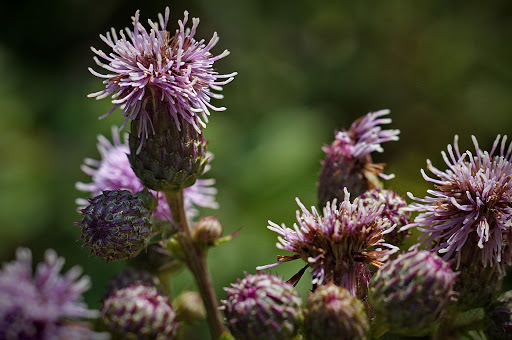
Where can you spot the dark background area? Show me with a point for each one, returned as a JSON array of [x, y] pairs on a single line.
[[305, 69]]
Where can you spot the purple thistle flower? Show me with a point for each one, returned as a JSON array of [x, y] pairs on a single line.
[[348, 162], [114, 172], [470, 206], [44, 304], [338, 246], [153, 65]]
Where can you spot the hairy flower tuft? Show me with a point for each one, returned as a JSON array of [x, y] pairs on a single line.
[[113, 172], [155, 65], [348, 162], [46, 304], [262, 306], [470, 210], [338, 246]]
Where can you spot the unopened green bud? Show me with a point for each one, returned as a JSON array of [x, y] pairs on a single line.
[[207, 231]]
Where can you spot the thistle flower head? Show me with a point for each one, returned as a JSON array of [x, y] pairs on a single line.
[[262, 306], [44, 304], [148, 66], [470, 209], [114, 172], [348, 162], [116, 225], [338, 246], [139, 311], [410, 293], [394, 210], [333, 313]]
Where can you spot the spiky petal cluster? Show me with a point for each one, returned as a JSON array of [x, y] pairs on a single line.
[[470, 209], [262, 306], [338, 246], [116, 225], [498, 321], [140, 312], [113, 172], [410, 293], [153, 65], [394, 210], [348, 162], [333, 313], [43, 305]]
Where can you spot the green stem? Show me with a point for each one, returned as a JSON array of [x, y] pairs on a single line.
[[196, 262]]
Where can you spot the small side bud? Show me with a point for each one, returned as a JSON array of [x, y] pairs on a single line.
[[207, 231], [167, 158], [333, 313], [116, 225], [189, 307], [139, 312]]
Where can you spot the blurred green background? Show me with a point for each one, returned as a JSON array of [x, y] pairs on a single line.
[[305, 69]]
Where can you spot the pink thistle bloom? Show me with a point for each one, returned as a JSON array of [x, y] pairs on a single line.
[[470, 206], [348, 162], [114, 172], [338, 246], [155, 65]]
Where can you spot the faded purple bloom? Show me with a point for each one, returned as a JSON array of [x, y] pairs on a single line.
[[394, 210], [338, 246], [409, 294], [146, 66], [44, 304], [470, 210], [113, 172], [348, 162], [262, 306]]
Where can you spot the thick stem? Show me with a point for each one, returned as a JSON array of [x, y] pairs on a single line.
[[196, 262]]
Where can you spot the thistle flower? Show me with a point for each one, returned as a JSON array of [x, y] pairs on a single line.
[[152, 66], [262, 306], [348, 162], [470, 211], [44, 304], [394, 210], [113, 172], [116, 225], [333, 313], [409, 294], [338, 246], [139, 311]]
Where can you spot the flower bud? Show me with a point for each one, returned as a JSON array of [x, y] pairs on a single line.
[[116, 225], [410, 293], [140, 312], [189, 307], [167, 158], [207, 231], [498, 323], [333, 313], [131, 276], [262, 306]]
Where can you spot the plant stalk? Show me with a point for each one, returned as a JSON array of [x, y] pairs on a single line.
[[196, 262]]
